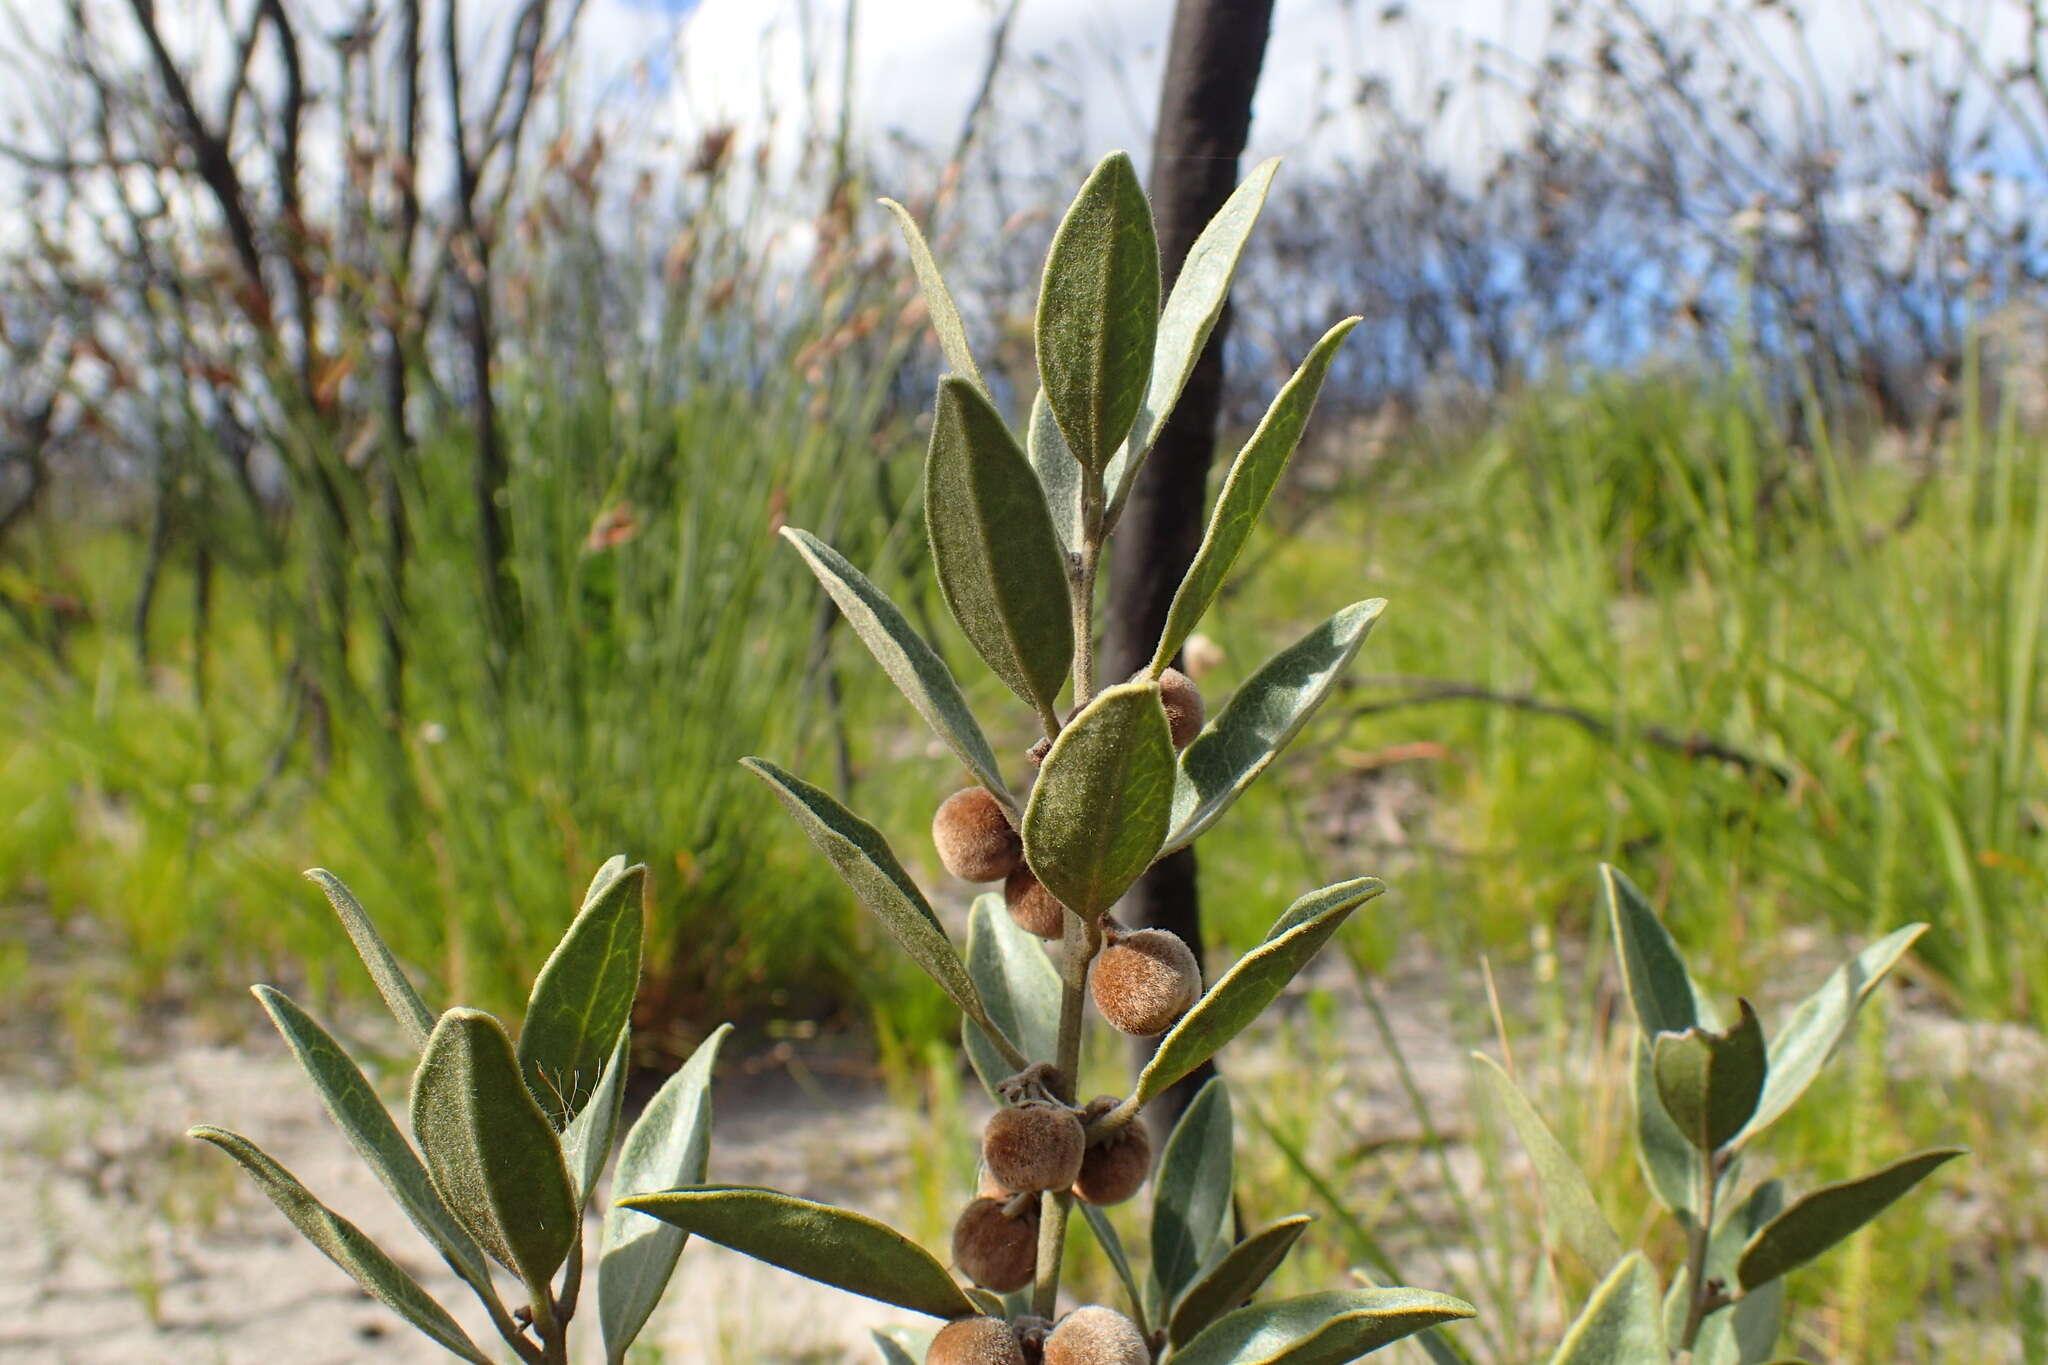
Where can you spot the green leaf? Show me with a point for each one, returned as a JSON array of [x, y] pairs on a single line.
[[1017, 984], [1191, 1194], [1251, 480], [912, 664], [938, 300], [609, 871], [1621, 1324], [1261, 718], [491, 1150], [862, 857], [1709, 1082], [1320, 1329], [1236, 1277], [582, 998], [669, 1145], [1251, 984], [361, 1116], [345, 1244], [413, 1017], [1651, 968], [587, 1141], [1193, 306], [833, 1246], [1820, 1024], [1105, 791], [1571, 1216], [1059, 473], [1666, 1157], [1827, 1215], [999, 562], [1098, 312], [1113, 1248]]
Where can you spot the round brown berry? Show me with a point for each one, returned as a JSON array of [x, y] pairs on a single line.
[[1114, 1168], [1036, 910], [1183, 703], [974, 837], [1144, 981], [975, 1341], [1096, 1336], [1033, 1146], [993, 1249]]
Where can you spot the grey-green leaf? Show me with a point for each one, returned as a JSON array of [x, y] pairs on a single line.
[[609, 871], [1112, 1247], [1098, 312], [669, 1145], [1262, 718], [1820, 1023], [413, 1017], [587, 1141], [1191, 1194], [999, 563], [1192, 307], [1252, 478], [1827, 1215], [1059, 473], [1099, 812], [863, 859], [494, 1156], [833, 1246], [892, 1352], [345, 1244], [1571, 1216], [361, 1116], [1320, 1329], [1235, 1278], [1251, 984], [1018, 986], [911, 663], [1651, 968], [582, 997], [1621, 1324], [1709, 1082], [1666, 1157], [938, 300]]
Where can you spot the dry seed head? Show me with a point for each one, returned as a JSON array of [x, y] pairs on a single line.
[[993, 1249], [1096, 1336], [974, 837], [1143, 981], [1183, 703], [1036, 910], [1033, 1146], [1114, 1168], [975, 1341]]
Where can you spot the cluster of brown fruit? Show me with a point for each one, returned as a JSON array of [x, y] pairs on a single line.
[[1093, 1335], [1143, 980], [1032, 1144]]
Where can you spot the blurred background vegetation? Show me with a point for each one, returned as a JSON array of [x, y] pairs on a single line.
[[392, 443]]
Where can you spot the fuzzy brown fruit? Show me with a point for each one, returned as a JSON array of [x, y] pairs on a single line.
[[1144, 981], [1033, 1146], [1113, 1169], [1183, 703], [1095, 1335], [993, 1249], [974, 837], [975, 1341], [1036, 910]]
